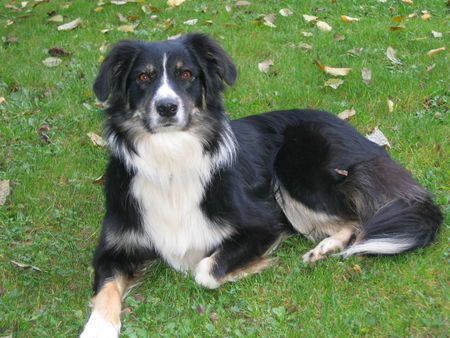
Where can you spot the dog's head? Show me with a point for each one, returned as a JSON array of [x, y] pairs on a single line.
[[165, 84]]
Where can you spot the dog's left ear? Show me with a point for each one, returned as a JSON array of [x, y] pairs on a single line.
[[216, 64]]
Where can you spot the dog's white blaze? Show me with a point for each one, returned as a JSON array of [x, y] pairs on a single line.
[[98, 327], [172, 171]]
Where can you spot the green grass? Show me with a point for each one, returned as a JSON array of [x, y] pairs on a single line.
[[53, 215]]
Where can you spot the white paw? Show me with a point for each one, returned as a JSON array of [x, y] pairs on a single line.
[[323, 249], [97, 327], [203, 273]]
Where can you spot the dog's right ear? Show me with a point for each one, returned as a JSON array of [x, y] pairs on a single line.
[[112, 76]]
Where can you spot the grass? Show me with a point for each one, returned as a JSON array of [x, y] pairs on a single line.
[[52, 217]]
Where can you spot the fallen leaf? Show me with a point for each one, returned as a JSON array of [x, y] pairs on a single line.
[[106, 30], [339, 36], [214, 316], [126, 28], [434, 51], [333, 83], [228, 8], [378, 137], [52, 61], [366, 74], [430, 67], [121, 17], [58, 51], [309, 18], [265, 65], [436, 34], [397, 18], [357, 267], [413, 15], [118, 2], [56, 18], [26, 266], [191, 22], [201, 309], [269, 19], [242, 3], [4, 191], [286, 12], [408, 1], [2, 99], [70, 25], [98, 9], [175, 3], [347, 114], [304, 46], [426, 16], [307, 34], [390, 53], [99, 180], [323, 26], [11, 39], [355, 51], [346, 18], [390, 104], [341, 172], [96, 139], [397, 28], [336, 71], [174, 37]]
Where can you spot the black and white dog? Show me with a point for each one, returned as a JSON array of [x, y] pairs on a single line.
[[214, 197]]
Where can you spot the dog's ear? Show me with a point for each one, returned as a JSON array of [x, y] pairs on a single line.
[[113, 73], [216, 64]]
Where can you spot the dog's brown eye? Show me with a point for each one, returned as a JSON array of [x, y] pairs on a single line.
[[144, 77], [186, 75]]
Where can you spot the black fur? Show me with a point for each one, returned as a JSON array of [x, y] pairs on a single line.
[[297, 150]]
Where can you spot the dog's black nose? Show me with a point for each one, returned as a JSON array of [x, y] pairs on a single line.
[[166, 107]]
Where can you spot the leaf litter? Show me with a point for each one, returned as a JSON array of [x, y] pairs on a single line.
[[5, 190], [378, 137]]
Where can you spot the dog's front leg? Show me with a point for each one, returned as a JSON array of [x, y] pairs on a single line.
[[241, 255]]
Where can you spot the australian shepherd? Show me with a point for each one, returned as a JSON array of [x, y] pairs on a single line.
[[214, 197]]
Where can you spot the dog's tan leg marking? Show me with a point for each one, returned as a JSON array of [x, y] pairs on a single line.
[[106, 306], [330, 244]]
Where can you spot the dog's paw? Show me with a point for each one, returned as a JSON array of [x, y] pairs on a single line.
[[203, 273], [97, 327], [323, 249]]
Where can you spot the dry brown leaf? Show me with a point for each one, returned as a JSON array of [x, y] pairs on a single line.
[[56, 18], [390, 53], [26, 266], [434, 51], [333, 83], [191, 22], [70, 25], [96, 139], [309, 18], [269, 19], [426, 16], [126, 28], [347, 18], [305, 46], [366, 74], [58, 51], [4, 191], [52, 61], [99, 180], [122, 17], [323, 26], [341, 172], [175, 3], [265, 65], [286, 12], [397, 28], [242, 3], [339, 36], [436, 34], [378, 137], [357, 267], [390, 104], [347, 114], [430, 67]]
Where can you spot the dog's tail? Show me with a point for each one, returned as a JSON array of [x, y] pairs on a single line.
[[396, 213]]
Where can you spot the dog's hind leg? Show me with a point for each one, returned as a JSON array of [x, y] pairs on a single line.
[[336, 242], [239, 256]]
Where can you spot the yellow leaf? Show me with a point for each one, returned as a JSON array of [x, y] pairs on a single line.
[[346, 18], [175, 3], [56, 18], [434, 51], [397, 28], [390, 104], [398, 18], [2, 99], [98, 9], [336, 71], [126, 28], [323, 26], [426, 16]]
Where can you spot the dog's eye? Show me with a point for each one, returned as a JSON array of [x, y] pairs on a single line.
[[186, 75], [144, 77]]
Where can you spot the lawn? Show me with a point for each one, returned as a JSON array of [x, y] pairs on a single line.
[[51, 218]]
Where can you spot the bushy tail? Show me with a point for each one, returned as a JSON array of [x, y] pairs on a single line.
[[399, 226]]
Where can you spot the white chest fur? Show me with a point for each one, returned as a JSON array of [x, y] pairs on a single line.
[[172, 171]]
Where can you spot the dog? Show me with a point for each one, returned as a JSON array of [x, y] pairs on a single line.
[[214, 197]]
